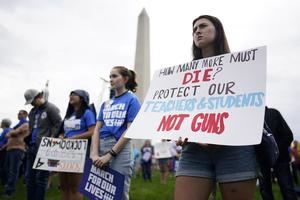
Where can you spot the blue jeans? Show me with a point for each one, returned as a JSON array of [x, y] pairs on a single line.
[[13, 162], [3, 170], [146, 166], [37, 180], [121, 163], [285, 181]]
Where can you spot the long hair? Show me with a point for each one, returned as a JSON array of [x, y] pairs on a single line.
[[220, 44], [80, 112], [131, 83]]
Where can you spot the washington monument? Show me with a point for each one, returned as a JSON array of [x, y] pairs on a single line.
[[142, 55], [142, 60]]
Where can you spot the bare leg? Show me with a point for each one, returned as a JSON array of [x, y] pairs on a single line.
[[74, 184], [64, 182], [163, 173], [238, 190], [166, 177], [192, 188]]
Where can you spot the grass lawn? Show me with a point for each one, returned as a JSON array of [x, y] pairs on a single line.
[[140, 190]]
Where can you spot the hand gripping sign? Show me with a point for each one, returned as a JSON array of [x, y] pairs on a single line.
[[61, 155], [106, 184], [215, 100]]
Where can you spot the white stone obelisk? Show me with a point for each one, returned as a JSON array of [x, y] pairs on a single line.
[[142, 55], [142, 61]]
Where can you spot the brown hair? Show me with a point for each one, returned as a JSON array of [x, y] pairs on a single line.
[[24, 112], [131, 83], [220, 43]]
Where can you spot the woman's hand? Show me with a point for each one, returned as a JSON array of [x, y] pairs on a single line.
[[102, 160], [96, 160], [179, 142]]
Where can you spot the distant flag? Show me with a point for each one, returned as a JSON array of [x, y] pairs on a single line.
[[46, 91], [102, 91]]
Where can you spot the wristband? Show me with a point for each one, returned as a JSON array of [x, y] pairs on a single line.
[[112, 153]]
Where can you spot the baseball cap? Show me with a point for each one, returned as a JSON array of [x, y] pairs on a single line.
[[30, 94]]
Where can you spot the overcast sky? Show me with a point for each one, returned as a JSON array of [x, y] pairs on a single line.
[[73, 43]]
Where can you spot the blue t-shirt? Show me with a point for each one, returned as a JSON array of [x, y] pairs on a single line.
[[3, 139], [116, 113], [20, 123], [73, 126], [34, 132]]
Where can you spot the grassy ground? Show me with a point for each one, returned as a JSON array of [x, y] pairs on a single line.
[[140, 190]]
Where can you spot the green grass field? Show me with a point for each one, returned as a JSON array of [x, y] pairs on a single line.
[[140, 190]]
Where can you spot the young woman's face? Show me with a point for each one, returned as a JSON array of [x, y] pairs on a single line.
[[117, 81], [74, 99], [204, 33]]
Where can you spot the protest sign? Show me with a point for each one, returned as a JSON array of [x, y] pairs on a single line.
[[162, 150], [106, 184], [61, 155], [215, 100]]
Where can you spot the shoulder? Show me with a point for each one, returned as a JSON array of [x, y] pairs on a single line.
[[5, 131], [24, 125], [25, 122], [32, 111], [88, 113], [51, 106], [274, 112], [52, 109], [132, 97]]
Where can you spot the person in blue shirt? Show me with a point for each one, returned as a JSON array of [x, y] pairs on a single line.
[[44, 121], [22, 117], [115, 117], [79, 123], [15, 151], [5, 125]]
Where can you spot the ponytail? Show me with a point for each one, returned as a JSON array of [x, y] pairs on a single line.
[[131, 83]]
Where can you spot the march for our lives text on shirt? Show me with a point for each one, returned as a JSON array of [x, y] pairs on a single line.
[[116, 113]]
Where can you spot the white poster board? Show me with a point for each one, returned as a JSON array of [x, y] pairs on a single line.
[[162, 150], [215, 100], [61, 155]]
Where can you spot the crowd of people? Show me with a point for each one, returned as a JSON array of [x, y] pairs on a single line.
[[200, 168], [149, 162], [105, 134]]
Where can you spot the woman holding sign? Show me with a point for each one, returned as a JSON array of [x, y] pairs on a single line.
[[79, 123], [114, 118], [233, 167]]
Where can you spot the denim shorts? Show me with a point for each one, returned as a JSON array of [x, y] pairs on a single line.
[[122, 163], [220, 163]]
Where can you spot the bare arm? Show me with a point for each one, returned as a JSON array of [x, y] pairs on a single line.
[[23, 129], [122, 141], [104, 159], [85, 135], [95, 140], [12, 133], [26, 129]]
